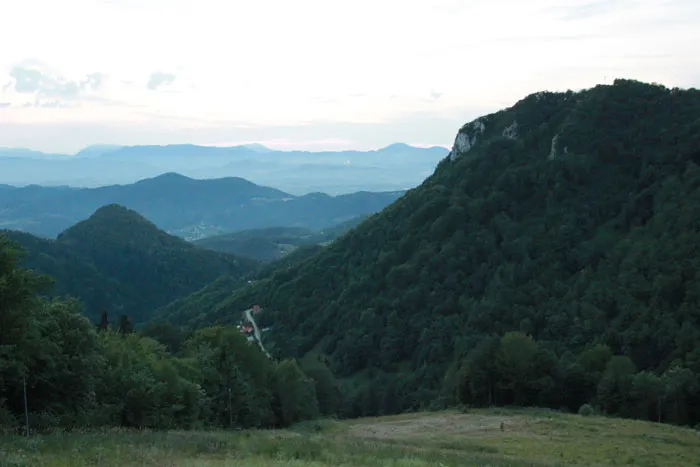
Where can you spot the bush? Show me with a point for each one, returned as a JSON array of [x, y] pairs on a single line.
[[587, 410], [8, 422]]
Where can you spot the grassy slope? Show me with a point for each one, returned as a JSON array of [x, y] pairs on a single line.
[[529, 438]]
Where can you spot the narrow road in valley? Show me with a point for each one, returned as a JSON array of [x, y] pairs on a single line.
[[256, 330]]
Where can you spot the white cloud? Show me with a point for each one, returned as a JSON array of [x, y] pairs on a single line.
[[158, 79], [275, 63]]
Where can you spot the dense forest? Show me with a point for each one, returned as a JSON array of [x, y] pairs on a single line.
[[571, 219], [78, 375], [119, 262], [273, 243]]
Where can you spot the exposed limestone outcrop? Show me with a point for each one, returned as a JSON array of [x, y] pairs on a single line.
[[466, 138], [553, 150], [511, 131]]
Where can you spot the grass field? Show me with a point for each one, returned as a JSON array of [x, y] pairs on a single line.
[[528, 438]]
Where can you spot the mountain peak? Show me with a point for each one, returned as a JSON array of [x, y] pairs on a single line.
[[396, 147], [116, 224], [257, 147], [96, 150], [173, 177]]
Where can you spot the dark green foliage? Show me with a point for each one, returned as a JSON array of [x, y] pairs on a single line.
[[296, 393], [104, 321], [521, 371], [118, 262], [80, 375], [171, 336], [274, 243], [573, 218], [125, 326], [262, 244]]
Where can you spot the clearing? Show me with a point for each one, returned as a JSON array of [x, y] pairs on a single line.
[[478, 438]]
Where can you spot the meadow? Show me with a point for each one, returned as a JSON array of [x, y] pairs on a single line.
[[476, 438]]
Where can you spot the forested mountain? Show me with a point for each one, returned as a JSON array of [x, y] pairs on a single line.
[[272, 243], [119, 262], [573, 218], [184, 206]]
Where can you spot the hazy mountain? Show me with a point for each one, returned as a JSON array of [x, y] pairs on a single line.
[[396, 167], [22, 153], [97, 150], [183, 206], [573, 218], [119, 262]]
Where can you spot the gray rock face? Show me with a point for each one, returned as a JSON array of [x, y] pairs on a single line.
[[466, 138]]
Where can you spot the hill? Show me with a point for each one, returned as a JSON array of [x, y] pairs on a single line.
[[119, 262], [396, 167], [184, 206], [273, 243], [572, 218]]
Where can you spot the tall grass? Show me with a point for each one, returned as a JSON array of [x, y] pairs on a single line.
[[528, 439]]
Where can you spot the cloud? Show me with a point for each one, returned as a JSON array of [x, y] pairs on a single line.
[[53, 104], [4, 104], [35, 78], [590, 9], [26, 80], [158, 79]]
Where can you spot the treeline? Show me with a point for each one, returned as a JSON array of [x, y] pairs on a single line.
[[79, 374], [516, 370]]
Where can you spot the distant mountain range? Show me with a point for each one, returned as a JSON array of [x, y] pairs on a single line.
[[183, 206], [395, 167]]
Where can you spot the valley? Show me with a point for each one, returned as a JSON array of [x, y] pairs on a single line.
[[534, 301]]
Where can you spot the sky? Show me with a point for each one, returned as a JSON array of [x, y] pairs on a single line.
[[314, 74]]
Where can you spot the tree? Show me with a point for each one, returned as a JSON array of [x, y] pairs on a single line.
[[647, 393], [515, 362], [295, 393], [480, 374], [615, 387], [125, 326], [104, 322]]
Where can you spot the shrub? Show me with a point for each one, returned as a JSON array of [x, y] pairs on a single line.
[[587, 410]]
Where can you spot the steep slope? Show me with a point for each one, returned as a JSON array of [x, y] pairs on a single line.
[[117, 261], [573, 217], [184, 206]]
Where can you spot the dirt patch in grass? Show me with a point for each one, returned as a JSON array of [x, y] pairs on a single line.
[[474, 426]]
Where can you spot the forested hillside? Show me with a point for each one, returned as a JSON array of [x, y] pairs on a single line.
[[273, 243], [72, 374], [117, 261], [183, 206], [570, 218]]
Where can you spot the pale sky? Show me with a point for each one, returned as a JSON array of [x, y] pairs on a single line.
[[314, 74]]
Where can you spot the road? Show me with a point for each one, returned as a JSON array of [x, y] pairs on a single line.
[[256, 330]]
